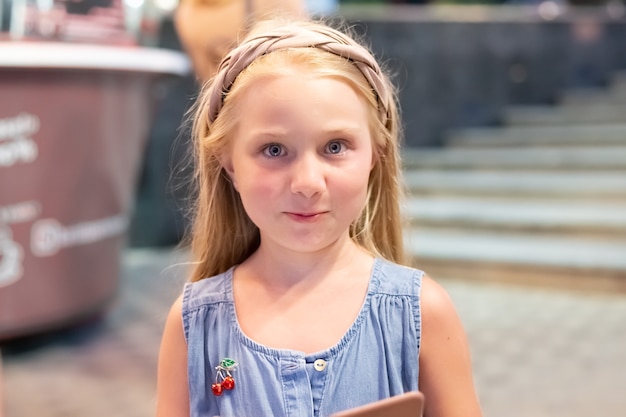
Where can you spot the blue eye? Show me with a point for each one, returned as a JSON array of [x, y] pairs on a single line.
[[335, 147], [273, 150]]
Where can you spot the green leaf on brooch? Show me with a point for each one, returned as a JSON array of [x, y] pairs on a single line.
[[227, 363]]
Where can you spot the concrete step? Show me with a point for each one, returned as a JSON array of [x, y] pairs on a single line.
[[615, 94], [565, 115], [603, 185], [588, 135], [605, 220], [554, 251], [554, 261], [517, 157]]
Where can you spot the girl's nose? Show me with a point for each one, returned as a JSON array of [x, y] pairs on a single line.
[[308, 178]]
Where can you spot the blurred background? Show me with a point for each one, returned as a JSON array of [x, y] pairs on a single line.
[[514, 161]]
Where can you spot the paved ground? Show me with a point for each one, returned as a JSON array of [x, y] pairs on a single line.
[[537, 353]]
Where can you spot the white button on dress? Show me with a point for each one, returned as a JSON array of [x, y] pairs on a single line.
[[319, 365]]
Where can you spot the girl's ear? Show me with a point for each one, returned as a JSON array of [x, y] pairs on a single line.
[[376, 152], [227, 164]]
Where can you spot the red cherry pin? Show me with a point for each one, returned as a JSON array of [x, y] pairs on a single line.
[[228, 383], [224, 379], [217, 389]]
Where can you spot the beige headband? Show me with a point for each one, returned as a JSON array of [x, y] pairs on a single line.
[[320, 37]]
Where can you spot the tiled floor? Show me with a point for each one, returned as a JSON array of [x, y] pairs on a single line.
[[537, 353]]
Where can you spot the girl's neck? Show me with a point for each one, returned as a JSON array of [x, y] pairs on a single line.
[[301, 303], [306, 304], [277, 269]]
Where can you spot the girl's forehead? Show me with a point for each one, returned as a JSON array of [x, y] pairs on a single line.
[[292, 107], [295, 88], [294, 75], [284, 97]]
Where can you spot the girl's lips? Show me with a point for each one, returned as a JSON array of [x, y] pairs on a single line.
[[305, 217]]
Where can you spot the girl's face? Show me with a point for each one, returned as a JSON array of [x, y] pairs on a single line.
[[300, 159]]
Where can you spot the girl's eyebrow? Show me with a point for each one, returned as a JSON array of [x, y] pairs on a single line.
[[279, 134], [350, 130], [273, 135]]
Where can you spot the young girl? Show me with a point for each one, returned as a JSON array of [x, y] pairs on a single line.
[[299, 304]]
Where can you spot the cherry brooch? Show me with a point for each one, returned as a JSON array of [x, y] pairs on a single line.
[[224, 379]]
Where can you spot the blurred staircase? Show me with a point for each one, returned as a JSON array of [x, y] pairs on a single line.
[[540, 201]]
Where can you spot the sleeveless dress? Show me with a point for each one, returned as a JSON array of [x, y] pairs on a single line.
[[375, 359]]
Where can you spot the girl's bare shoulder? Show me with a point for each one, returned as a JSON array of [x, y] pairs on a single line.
[[435, 299], [439, 315]]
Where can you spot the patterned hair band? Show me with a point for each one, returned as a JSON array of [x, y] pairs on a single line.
[[320, 37]]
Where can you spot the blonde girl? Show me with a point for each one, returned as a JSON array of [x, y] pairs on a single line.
[[299, 303]]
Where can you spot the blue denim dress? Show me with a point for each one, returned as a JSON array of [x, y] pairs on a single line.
[[376, 358]]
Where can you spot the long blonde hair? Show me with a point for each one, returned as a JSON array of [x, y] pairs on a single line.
[[223, 235]]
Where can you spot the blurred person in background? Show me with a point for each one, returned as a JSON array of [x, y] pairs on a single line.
[[321, 7], [207, 29]]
